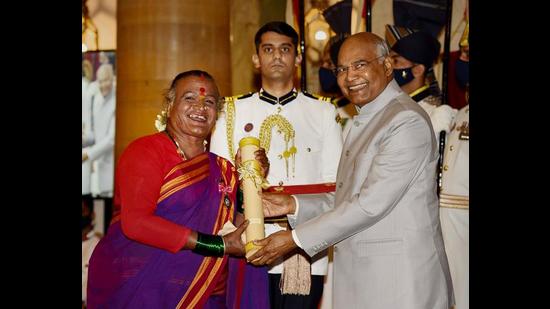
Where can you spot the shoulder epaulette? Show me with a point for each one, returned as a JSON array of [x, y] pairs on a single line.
[[238, 97], [244, 96], [317, 97]]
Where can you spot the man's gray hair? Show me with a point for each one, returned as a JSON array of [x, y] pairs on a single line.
[[382, 49]]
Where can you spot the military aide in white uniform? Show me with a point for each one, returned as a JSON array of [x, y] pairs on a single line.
[[317, 140], [454, 206], [302, 139]]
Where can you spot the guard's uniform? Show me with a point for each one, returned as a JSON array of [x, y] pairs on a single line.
[[454, 206], [441, 115], [303, 139]]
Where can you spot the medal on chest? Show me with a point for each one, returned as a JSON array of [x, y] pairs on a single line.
[[464, 131]]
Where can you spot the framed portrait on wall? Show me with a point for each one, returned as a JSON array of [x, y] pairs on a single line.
[[98, 133]]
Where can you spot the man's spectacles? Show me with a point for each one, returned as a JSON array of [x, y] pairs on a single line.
[[357, 66]]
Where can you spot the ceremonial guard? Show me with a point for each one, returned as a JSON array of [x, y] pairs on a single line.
[[302, 139], [414, 54], [454, 205]]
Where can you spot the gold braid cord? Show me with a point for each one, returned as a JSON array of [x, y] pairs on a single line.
[[286, 128], [251, 170], [230, 125]]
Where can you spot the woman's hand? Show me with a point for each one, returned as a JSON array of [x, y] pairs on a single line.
[[233, 243]]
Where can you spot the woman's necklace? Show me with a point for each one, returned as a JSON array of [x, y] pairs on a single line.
[[179, 150]]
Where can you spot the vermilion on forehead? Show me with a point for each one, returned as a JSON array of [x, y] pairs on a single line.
[[194, 81]]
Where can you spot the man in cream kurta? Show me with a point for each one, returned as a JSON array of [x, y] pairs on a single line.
[[384, 217]]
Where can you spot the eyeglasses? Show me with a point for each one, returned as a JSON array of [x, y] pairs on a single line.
[[357, 66]]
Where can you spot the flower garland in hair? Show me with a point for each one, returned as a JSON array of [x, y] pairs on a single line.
[[160, 122]]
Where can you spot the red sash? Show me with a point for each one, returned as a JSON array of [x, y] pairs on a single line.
[[304, 189]]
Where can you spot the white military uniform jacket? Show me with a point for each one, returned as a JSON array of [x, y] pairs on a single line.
[[101, 149], [441, 115], [384, 215], [455, 184], [318, 142], [454, 202]]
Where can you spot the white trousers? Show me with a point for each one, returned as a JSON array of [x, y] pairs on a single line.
[[456, 235]]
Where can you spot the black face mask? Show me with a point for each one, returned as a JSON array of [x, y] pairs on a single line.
[[462, 72], [403, 76], [85, 222], [328, 81]]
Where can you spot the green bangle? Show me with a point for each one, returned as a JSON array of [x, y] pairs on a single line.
[[240, 200], [209, 245]]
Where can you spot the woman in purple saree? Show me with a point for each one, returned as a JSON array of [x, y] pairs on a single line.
[[172, 200]]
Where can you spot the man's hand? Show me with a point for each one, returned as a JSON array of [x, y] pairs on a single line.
[[273, 247], [260, 156], [233, 243], [276, 204], [84, 156]]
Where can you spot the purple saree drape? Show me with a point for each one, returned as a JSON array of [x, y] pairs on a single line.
[[127, 274]]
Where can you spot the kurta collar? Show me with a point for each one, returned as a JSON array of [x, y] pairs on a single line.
[[271, 99]]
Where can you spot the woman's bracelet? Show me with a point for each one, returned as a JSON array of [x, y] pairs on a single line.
[[209, 245]]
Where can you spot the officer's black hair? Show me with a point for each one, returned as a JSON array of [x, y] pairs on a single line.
[[277, 27]]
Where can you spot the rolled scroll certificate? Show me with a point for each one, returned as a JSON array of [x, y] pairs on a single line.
[[250, 174]]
